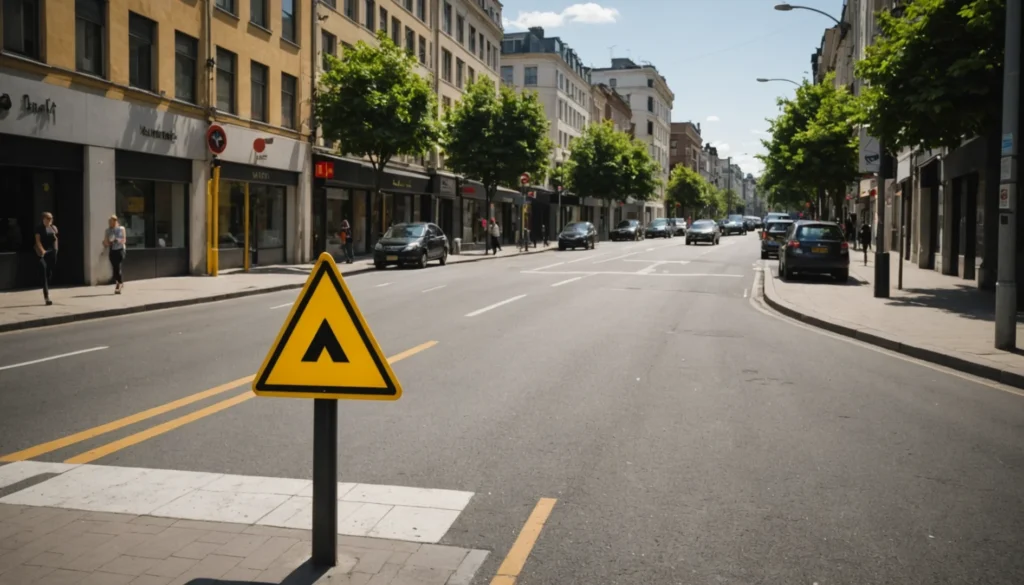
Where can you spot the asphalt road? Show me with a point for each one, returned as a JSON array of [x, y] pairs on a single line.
[[688, 436]]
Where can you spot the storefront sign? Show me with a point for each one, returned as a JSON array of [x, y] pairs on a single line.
[[260, 175], [46, 108], [404, 183], [168, 135], [249, 173], [447, 186], [323, 170]]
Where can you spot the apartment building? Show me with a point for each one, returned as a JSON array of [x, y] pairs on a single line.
[[104, 109], [650, 100], [685, 144], [607, 104]]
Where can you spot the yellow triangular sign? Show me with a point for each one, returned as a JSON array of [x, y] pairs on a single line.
[[325, 349]]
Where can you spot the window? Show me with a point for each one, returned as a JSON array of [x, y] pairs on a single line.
[[289, 84], [328, 46], [186, 53], [650, 127], [488, 53], [472, 39], [370, 14], [472, 75], [612, 82], [650, 104], [383, 21], [350, 9], [396, 31], [154, 214], [90, 25], [21, 27], [226, 80], [460, 29], [507, 73], [423, 50], [258, 93], [410, 41], [529, 76], [650, 83], [446, 103], [227, 5], [421, 10], [446, 19], [289, 30], [258, 13], [460, 67], [480, 47], [141, 32], [331, 3], [446, 65]]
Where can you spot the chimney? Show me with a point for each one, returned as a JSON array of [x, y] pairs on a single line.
[[698, 127], [537, 31]]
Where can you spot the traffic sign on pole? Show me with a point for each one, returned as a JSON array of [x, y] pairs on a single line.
[[524, 179], [216, 139]]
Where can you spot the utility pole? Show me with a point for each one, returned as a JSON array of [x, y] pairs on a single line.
[[881, 256], [1006, 278]]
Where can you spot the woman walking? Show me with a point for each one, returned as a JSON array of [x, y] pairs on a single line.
[[114, 241], [46, 248]]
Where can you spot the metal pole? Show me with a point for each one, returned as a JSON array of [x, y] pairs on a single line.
[[903, 223], [881, 256], [216, 218], [209, 227], [247, 258], [325, 482], [1006, 278]]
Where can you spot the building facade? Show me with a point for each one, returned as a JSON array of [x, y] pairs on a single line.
[[650, 100], [685, 144], [607, 104], [104, 109]]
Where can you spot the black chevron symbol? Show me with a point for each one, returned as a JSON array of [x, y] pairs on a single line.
[[325, 340]]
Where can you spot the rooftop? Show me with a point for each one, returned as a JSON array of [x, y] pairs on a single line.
[[533, 41]]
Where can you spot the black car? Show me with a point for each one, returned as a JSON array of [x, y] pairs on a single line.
[[734, 225], [773, 236], [581, 234], [411, 243], [815, 247], [678, 226], [752, 222], [659, 228], [704, 230], [628, 229]]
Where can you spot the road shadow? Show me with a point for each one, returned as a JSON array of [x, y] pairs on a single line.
[[820, 279], [306, 574], [963, 300]]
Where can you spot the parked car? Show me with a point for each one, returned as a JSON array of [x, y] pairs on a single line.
[[734, 225], [678, 226], [704, 230], [775, 216], [659, 228], [581, 234], [752, 222], [628, 229], [773, 236], [411, 243], [815, 247]]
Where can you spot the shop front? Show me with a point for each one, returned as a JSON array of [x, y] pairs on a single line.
[[254, 201], [441, 207]]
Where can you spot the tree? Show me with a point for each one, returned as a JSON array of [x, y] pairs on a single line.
[[714, 201], [687, 189], [494, 137], [374, 103], [813, 147], [935, 73]]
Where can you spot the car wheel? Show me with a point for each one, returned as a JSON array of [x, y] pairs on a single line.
[[423, 260], [787, 274], [687, 241], [561, 248], [444, 257], [842, 275], [379, 265], [764, 255]]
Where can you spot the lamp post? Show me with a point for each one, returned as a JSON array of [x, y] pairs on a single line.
[[768, 79], [1006, 279]]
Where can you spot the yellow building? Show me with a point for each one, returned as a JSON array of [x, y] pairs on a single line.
[[105, 107]]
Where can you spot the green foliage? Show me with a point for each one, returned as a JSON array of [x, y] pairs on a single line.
[[494, 137], [687, 188], [935, 73], [610, 165], [375, 104], [813, 145], [731, 199]]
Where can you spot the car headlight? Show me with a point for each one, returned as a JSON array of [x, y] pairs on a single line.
[[411, 246], [378, 247]]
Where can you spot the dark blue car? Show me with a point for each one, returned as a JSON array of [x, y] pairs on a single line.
[[773, 236]]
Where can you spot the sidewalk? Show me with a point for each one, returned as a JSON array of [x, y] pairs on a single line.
[[25, 309], [936, 318], [51, 546]]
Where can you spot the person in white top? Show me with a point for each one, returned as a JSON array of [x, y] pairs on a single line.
[[495, 236]]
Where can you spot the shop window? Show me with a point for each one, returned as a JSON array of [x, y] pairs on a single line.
[[258, 13], [152, 213], [288, 90], [90, 36], [289, 30], [21, 27], [226, 80], [186, 51], [266, 216], [258, 92]]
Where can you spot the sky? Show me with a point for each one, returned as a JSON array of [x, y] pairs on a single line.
[[710, 51]]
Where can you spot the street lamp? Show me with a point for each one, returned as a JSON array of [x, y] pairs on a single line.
[[766, 80], [788, 7]]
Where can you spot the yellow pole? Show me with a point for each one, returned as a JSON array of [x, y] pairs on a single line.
[[247, 258], [209, 227], [216, 220]]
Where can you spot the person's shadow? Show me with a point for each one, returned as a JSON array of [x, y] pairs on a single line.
[[305, 574]]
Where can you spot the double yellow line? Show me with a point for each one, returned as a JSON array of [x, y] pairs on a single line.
[[162, 428]]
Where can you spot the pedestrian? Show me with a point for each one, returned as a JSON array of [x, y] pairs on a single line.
[[46, 248], [495, 232], [347, 245], [850, 236], [114, 241], [865, 240]]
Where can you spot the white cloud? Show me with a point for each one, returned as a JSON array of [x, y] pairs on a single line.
[[758, 131], [585, 13], [722, 147], [713, 118]]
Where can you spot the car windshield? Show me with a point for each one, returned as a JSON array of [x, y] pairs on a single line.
[[659, 222], [625, 224], [406, 231], [576, 227], [703, 224], [735, 218], [820, 232], [778, 227]]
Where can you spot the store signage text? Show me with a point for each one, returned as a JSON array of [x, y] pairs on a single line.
[[47, 108], [157, 133], [323, 170], [400, 183], [260, 176]]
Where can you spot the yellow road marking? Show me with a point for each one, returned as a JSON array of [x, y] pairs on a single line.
[[514, 562], [160, 429], [87, 434]]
